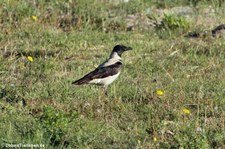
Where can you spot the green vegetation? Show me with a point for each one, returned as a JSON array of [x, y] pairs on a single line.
[[171, 92], [170, 22]]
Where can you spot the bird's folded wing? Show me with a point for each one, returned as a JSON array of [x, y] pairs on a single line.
[[101, 72], [105, 71]]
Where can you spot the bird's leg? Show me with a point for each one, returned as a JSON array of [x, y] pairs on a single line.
[[104, 94], [105, 90]]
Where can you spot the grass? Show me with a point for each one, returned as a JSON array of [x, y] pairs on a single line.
[[68, 39]]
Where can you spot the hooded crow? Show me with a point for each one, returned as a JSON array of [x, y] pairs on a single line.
[[106, 72]]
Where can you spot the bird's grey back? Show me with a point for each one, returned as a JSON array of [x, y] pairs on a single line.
[[114, 58]]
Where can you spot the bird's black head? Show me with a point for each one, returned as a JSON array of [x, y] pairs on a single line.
[[119, 49]]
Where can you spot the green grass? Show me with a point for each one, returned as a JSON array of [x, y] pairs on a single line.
[[39, 105]]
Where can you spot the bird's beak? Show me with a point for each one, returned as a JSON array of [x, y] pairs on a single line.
[[128, 48]]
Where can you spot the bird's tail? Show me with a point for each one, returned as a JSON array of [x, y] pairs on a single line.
[[80, 81], [84, 80]]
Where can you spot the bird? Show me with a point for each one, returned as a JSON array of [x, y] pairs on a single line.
[[107, 72]]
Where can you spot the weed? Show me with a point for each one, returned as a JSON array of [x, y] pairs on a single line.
[[172, 22]]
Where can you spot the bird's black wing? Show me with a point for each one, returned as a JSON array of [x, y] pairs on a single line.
[[100, 73]]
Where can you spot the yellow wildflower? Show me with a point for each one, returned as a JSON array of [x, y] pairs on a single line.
[[154, 139], [34, 18], [186, 111], [30, 58], [159, 92]]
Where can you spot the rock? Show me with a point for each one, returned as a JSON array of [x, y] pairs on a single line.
[[186, 10], [143, 22]]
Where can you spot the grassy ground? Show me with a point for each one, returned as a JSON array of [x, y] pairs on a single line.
[[39, 105]]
